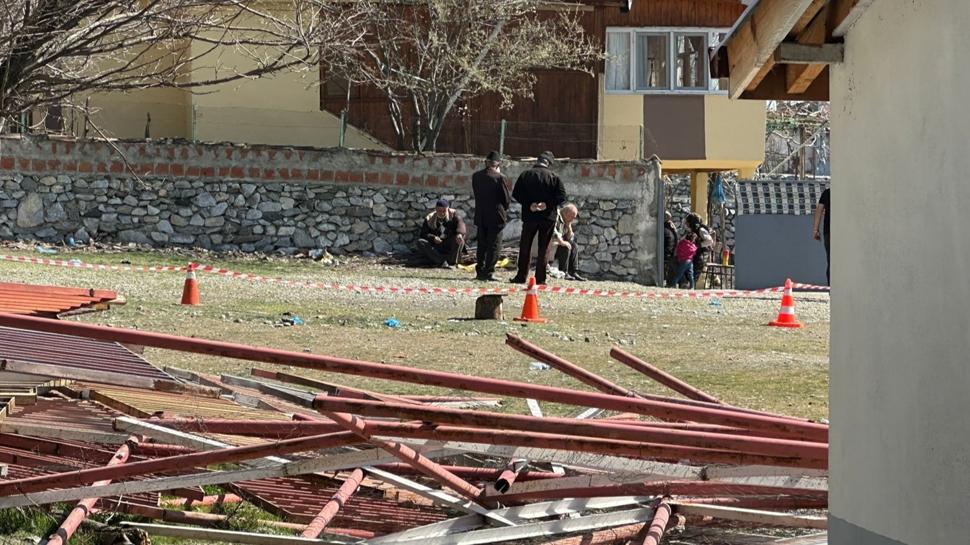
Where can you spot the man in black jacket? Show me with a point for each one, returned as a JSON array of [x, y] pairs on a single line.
[[442, 235], [540, 192], [492, 202], [670, 246]]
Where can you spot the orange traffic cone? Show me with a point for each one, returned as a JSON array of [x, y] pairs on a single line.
[[530, 310], [190, 292], [786, 316]]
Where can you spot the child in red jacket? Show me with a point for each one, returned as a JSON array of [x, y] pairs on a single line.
[[685, 258]]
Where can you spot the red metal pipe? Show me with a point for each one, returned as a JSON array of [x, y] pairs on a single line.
[[654, 488], [573, 426], [477, 473], [662, 377], [340, 497], [159, 450], [603, 385], [655, 532], [586, 377], [509, 475], [610, 447], [327, 387], [197, 459], [764, 502], [409, 456], [768, 425], [80, 512], [206, 500]]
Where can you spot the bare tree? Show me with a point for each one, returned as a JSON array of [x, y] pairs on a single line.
[[52, 52], [797, 133], [426, 55]]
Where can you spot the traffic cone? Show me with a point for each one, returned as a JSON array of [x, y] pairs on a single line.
[[530, 310], [786, 316], [190, 291]]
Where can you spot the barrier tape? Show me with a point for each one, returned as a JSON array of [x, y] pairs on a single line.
[[227, 273]]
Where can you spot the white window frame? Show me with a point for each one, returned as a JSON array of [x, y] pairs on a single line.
[[710, 36]]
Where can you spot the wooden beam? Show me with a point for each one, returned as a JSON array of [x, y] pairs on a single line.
[[229, 536], [766, 518], [789, 53], [800, 25], [799, 77], [847, 12], [775, 87], [61, 432], [754, 41]]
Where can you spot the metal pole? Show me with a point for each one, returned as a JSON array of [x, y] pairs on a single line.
[[340, 497], [586, 377], [661, 208], [662, 377], [80, 512], [235, 454], [343, 128], [655, 532], [501, 137], [766, 425]]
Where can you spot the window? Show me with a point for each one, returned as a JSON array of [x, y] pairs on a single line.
[[618, 61], [651, 61], [656, 60]]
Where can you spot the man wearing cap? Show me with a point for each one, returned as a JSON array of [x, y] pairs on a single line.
[[540, 192], [442, 235], [492, 201]]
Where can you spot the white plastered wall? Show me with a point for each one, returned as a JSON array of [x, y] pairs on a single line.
[[900, 350]]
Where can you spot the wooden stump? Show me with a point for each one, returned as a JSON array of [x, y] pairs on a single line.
[[489, 307]]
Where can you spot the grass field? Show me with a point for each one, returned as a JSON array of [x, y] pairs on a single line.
[[725, 349]]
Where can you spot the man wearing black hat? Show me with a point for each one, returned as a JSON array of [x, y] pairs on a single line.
[[492, 201], [442, 235], [540, 192]]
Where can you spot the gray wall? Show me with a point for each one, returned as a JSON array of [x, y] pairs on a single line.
[[771, 248], [900, 375]]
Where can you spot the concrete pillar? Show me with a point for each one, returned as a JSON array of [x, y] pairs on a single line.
[[698, 194]]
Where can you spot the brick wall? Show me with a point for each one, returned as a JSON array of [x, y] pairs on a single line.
[[263, 198]]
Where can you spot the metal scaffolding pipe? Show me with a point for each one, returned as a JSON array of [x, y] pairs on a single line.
[[586, 377], [662, 377], [234, 454], [327, 387], [611, 447], [499, 421], [767, 425], [585, 428], [610, 536], [340, 497], [217, 499], [509, 475], [654, 488], [80, 512], [763, 502], [655, 532], [409, 456], [477, 473]]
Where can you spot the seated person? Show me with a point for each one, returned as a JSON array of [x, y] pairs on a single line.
[[564, 242], [442, 235]]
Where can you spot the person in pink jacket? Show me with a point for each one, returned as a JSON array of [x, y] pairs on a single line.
[[685, 258]]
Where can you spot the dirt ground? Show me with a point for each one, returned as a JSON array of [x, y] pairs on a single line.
[[721, 346]]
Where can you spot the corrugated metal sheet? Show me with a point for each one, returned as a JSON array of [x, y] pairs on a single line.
[[299, 500], [74, 352], [38, 300], [65, 413], [149, 402]]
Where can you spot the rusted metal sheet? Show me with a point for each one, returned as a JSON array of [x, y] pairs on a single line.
[[67, 351], [299, 500], [50, 301]]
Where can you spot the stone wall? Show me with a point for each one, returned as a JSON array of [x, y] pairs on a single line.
[[268, 199]]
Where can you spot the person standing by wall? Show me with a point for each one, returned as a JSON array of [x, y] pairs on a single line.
[[704, 242], [822, 209], [492, 201], [670, 246], [540, 192]]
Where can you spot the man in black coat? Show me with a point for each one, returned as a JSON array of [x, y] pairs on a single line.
[[442, 236], [671, 238], [492, 202], [540, 192]]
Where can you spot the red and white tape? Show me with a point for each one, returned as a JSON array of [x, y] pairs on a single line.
[[561, 290]]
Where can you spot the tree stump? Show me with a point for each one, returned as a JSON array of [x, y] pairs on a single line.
[[489, 307]]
